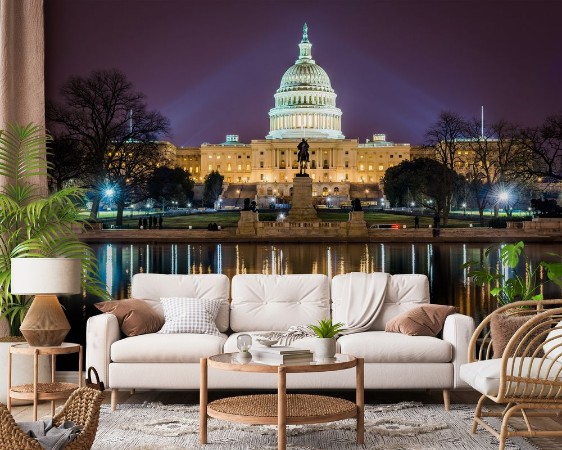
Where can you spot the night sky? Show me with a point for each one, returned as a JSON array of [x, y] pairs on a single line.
[[212, 66]]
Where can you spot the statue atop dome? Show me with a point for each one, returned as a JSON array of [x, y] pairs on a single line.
[[305, 33]]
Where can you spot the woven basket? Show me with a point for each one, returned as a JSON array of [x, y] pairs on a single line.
[[82, 408]]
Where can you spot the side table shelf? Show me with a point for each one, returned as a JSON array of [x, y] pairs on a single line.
[[43, 391]]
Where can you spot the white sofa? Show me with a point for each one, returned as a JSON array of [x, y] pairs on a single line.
[[262, 303]]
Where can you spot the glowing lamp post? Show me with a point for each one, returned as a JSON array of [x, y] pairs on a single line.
[[464, 208], [504, 197]]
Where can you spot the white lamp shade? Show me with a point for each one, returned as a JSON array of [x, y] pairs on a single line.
[[45, 276]]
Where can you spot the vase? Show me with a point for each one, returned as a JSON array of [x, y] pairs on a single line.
[[325, 348]]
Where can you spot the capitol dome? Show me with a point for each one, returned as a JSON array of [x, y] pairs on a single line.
[[305, 103]]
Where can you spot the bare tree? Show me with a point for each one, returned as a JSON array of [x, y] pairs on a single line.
[[111, 127], [65, 163], [447, 137], [543, 145]]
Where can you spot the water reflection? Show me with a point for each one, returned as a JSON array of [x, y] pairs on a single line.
[[442, 263]]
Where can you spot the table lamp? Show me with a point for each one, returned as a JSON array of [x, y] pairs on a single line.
[[45, 323]]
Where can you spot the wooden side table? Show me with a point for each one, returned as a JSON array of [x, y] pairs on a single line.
[[42, 391]]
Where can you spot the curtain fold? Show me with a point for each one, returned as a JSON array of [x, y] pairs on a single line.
[[22, 60]]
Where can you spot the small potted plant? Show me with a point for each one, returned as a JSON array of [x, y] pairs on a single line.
[[326, 331]]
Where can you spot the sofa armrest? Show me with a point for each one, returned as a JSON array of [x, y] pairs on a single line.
[[458, 330], [101, 331]]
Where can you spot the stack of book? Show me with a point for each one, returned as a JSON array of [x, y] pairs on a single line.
[[278, 354]]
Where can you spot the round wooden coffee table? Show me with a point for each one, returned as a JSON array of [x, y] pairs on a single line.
[[282, 409]]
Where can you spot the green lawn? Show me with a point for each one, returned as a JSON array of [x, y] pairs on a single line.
[[230, 219]]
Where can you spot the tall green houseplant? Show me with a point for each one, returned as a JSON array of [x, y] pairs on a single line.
[[514, 284], [35, 226]]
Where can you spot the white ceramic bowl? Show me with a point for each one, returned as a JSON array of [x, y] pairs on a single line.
[[266, 340]]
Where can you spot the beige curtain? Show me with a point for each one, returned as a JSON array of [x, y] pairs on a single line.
[[22, 79]]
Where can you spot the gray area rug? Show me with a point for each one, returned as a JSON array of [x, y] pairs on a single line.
[[403, 426]]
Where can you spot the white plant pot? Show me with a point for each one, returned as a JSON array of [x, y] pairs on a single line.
[[22, 371], [325, 348]]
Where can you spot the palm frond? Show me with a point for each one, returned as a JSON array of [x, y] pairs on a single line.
[[23, 152]]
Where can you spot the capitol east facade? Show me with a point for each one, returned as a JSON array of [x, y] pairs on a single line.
[[305, 107]]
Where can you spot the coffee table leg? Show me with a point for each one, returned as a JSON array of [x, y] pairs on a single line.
[[360, 399], [281, 409], [203, 402]]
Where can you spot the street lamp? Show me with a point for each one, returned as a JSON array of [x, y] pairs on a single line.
[[109, 192], [504, 197], [412, 204], [464, 208]]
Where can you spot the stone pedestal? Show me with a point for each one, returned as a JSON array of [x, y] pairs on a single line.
[[356, 225], [301, 202], [247, 225]]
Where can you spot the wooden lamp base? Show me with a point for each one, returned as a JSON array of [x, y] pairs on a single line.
[[45, 324]]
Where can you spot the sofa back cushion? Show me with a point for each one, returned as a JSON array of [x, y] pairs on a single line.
[[276, 302], [403, 292], [153, 286]]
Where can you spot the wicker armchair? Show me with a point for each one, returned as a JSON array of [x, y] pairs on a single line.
[[527, 379], [82, 408]]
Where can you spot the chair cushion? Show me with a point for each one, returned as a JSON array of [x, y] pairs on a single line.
[[383, 347], [484, 376], [166, 348], [552, 345]]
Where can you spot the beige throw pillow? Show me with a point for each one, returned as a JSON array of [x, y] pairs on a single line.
[[423, 320], [134, 315]]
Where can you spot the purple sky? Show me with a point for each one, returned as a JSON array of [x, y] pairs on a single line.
[[213, 66]]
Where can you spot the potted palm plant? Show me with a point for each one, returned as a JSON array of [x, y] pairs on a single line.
[[325, 332], [33, 225]]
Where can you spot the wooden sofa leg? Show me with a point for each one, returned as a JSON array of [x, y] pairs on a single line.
[[113, 399], [132, 391], [447, 399]]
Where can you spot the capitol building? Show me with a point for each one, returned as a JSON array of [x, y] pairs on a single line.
[[305, 107]]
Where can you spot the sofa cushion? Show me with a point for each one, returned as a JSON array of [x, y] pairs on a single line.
[[484, 376], [403, 292], [166, 348], [190, 315], [422, 320], [276, 302], [134, 315], [383, 347], [153, 286]]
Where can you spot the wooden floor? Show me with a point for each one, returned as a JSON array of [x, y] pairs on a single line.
[[23, 413]]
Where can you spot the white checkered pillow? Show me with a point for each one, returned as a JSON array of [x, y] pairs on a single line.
[[190, 315]]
